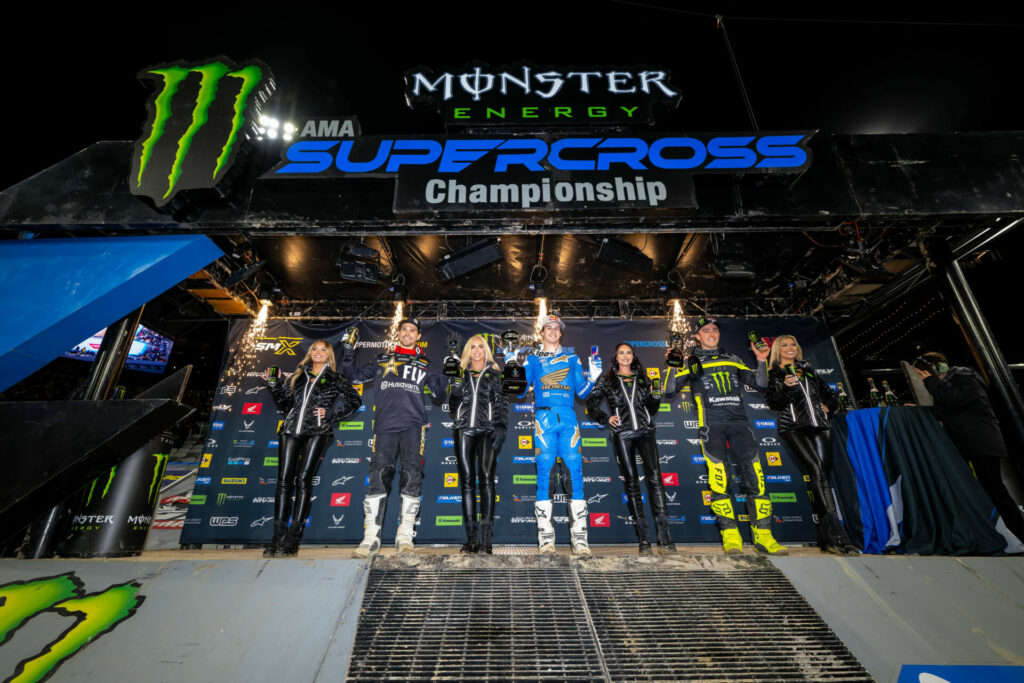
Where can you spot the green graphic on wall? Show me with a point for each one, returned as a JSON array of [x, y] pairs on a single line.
[[94, 614]]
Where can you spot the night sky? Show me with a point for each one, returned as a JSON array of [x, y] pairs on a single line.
[[816, 69]]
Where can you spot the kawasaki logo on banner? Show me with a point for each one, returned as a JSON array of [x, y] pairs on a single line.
[[200, 114]]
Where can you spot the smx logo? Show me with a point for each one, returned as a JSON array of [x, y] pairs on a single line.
[[200, 114], [281, 346]]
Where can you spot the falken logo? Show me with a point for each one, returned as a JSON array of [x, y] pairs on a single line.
[[451, 498], [522, 407], [524, 459], [585, 425], [764, 424], [216, 426], [778, 477], [191, 139], [260, 521]]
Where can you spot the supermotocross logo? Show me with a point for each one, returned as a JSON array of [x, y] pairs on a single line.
[[281, 346], [199, 116]]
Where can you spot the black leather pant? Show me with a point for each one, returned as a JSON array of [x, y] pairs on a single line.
[[627, 445], [813, 451], [298, 459], [475, 458]]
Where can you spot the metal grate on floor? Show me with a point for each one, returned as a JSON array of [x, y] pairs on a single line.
[[597, 619]]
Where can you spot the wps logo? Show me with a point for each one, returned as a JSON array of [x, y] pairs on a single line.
[[281, 346], [341, 499], [200, 114], [600, 519]]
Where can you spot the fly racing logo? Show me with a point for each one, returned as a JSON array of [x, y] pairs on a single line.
[[341, 481], [597, 498], [447, 425], [825, 371], [758, 406], [200, 114], [693, 442], [723, 381], [281, 346]]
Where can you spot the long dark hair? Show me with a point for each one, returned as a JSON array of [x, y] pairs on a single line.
[[636, 366]]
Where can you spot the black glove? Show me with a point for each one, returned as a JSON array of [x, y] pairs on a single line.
[[497, 439], [694, 366]]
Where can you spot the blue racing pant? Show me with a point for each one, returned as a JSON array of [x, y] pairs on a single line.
[[556, 434]]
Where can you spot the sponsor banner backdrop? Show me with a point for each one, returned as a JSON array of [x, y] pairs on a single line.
[[233, 500]]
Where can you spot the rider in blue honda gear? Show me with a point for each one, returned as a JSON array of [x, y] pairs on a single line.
[[556, 377]]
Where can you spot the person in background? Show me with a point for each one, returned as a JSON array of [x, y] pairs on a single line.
[[806, 403], [480, 414], [962, 405], [307, 399]]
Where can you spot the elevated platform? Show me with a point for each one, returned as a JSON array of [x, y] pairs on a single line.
[[231, 615]]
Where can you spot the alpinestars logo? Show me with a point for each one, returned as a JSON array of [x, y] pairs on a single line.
[[199, 116]]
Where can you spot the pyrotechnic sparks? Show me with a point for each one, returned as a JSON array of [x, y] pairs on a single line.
[[542, 312], [393, 331], [245, 354], [678, 323]]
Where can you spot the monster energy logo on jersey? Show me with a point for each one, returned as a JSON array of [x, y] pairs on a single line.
[[723, 381], [198, 116]]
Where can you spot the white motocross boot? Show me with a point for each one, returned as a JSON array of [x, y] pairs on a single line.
[[545, 530], [578, 527], [407, 524], [373, 517]]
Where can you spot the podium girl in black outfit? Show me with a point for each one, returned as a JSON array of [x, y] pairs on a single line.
[[307, 399], [480, 413], [632, 402], [806, 403]]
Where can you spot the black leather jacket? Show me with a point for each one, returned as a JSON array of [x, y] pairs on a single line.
[[299, 404], [479, 404], [636, 417], [800, 406]]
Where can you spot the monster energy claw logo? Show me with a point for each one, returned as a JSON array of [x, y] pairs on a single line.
[[723, 382], [197, 113]]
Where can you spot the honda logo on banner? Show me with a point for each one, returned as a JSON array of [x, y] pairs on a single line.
[[252, 408], [670, 478], [340, 499], [600, 519]]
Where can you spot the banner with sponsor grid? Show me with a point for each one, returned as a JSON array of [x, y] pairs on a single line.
[[233, 500]]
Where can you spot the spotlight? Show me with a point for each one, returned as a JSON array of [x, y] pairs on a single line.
[[358, 271], [539, 292], [470, 258], [624, 255], [399, 292], [243, 273]]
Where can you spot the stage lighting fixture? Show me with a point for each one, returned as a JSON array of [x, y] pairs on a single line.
[[539, 291], [670, 291], [243, 273], [360, 250], [469, 258], [624, 255], [357, 271], [399, 292]]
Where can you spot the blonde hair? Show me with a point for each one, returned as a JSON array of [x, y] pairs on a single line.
[[488, 356], [776, 354], [299, 372]]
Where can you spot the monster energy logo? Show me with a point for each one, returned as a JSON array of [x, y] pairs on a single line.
[[94, 615], [159, 171], [158, 473], [723, 381]]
